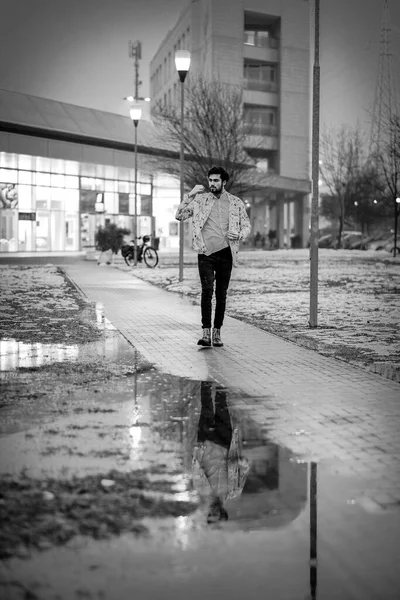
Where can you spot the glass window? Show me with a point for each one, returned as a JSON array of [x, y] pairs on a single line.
[[99, 185], [262, 38], [42, 230], [42, 179], [72, 231], [25, 177], [8, 160], [57, 230], [88, 183], [123, 186], [25, 200], [72, 200], [261, 121], [123, 208], [109, 186], [111, 203], [132, 204], [249, 38], [57, 181], [43, 164], [72, 182], [87, 201], [144, 189], [57, 199], [42, 196], [71, 167], [8, 175], [26, 236], [57, 166]]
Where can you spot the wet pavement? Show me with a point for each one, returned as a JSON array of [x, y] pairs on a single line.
[[151, 433]]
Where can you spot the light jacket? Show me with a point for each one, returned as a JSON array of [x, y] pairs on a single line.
[[199, 209], [227, 468]]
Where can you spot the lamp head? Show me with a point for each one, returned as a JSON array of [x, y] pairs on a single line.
[[135, 114], [182, 63]]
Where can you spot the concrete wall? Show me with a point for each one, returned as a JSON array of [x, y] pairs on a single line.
[[295, 89]]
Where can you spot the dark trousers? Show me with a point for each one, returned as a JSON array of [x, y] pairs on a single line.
[[217, 266], [213, 425]]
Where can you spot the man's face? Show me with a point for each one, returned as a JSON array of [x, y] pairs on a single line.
[[215, 184]]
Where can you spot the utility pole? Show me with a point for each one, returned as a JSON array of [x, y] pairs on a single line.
[[135, 52], [384, 131], [313, 322]]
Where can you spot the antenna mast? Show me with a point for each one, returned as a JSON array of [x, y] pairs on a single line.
[[135, 52], [385, 101]]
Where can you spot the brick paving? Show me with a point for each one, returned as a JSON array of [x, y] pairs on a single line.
[[321, 408]]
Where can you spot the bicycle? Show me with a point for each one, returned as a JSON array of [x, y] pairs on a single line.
[[144, 252]]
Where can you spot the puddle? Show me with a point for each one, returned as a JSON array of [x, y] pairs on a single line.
[[24, 355], [264, 517]]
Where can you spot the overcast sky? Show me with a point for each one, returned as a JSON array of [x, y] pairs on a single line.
[[77, 50]]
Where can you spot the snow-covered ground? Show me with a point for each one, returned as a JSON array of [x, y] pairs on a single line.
[[358, 300]]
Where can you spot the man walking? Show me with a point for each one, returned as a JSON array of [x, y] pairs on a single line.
[[219, 222]]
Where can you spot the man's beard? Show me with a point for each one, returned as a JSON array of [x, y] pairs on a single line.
[[214, 190]]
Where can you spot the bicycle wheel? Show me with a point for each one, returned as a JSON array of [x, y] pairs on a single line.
[[129, 258], [150, 257]]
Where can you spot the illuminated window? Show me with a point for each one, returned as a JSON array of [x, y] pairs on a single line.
[[144, 189], [57, 198], [109, 186], [25, 200], [8, 176], [111, 203], [88, 183], [58, 181], [72, 182], [43, 195], [42, 179], [72, 200], [25, 177], [123, 186]]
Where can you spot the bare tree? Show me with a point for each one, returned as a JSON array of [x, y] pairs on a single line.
[[343, 161], [215, 132], [386, 156]]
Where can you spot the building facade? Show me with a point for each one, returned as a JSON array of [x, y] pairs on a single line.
[[264, 47], [66, 170]]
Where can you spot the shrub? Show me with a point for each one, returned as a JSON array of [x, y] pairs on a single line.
[[110, 237]]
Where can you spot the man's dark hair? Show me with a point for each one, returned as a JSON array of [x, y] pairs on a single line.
[[219, 171]]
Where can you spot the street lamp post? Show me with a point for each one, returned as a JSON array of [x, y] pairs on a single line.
[[135, 113], [313, 321], [182, 63]]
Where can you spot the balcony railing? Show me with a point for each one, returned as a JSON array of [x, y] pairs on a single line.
[[260, 39], [260, 86], [260, 129]]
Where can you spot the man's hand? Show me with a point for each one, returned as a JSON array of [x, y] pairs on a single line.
[[232, 236], [198, 189]]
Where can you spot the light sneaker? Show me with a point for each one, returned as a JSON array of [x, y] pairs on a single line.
[[216, 338], [206, 339]]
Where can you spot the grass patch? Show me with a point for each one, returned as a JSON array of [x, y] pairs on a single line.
[[80, 507]]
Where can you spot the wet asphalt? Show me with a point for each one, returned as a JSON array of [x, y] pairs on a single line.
[[84, 410]]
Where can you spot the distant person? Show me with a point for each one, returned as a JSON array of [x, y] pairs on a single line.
[[257, 239], [220, 222], [219, 470]]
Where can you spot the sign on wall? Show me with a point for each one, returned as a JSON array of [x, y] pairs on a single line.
[[8, 195]]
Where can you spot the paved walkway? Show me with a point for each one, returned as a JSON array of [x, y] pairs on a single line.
[[319, 407]]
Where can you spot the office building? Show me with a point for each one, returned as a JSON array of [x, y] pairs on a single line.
[[264, 47]]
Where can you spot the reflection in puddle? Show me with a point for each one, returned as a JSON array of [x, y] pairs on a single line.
[[243, 478], [24, 355], [20, 355], [203, 438]]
